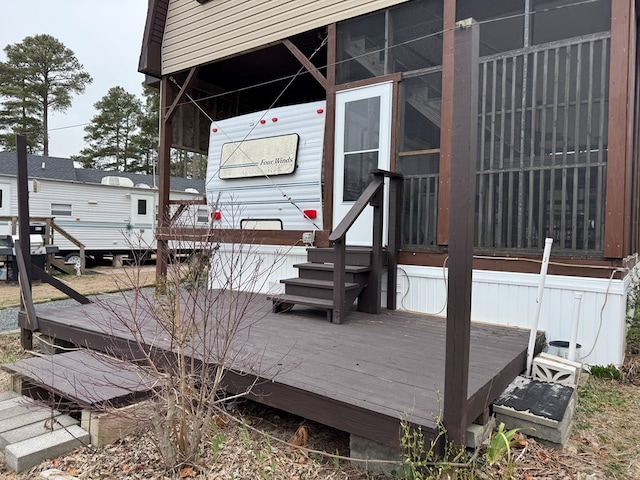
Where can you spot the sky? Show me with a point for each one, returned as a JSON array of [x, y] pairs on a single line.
[[105, 36]]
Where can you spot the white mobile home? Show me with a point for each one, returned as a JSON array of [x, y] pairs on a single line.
[[108, 212]]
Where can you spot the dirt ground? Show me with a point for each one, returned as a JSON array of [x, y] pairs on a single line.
[[97, 280], [604, 441]]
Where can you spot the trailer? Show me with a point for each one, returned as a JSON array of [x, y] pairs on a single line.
[[265, 169], [109, 213]]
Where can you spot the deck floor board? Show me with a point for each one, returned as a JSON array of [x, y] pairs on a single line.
[[361, 376]]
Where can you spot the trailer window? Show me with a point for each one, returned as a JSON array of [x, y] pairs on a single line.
[[203, 215], [142, 206], [61, 210]]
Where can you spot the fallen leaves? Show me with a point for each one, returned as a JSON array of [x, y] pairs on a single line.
[[301, 437]]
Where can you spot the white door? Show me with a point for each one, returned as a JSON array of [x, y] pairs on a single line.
[[363, 139], [142, 215]]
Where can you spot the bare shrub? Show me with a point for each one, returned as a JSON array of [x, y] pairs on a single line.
[[190, 330]]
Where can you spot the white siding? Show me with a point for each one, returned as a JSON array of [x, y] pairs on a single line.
[[509, 298], [100, 213], [282, 197], [196, 34], [256, 268]]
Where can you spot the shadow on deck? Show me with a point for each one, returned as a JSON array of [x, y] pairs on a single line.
[[361, 377]]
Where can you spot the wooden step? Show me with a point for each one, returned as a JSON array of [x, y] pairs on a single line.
[[324, 271], [103, 379], [309, 287], [284, 302], [328, 267], [354, 255]]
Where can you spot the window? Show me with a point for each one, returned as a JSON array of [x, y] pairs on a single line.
[[553, 20], [203, 215], [142, 206], [501, 23], [407, 38], [61, 210], [1, 197]]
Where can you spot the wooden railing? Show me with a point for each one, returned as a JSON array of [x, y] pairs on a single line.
[[373, 195], [50, 228]]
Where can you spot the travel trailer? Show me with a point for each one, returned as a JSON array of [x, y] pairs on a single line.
[[266, 173], [110, 213]]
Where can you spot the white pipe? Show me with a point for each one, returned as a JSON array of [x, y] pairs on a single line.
[[534, 328], [577, 302]]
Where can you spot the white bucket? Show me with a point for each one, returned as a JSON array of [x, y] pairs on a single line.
[[560, 348]]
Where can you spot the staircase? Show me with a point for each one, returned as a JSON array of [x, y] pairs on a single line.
[[314, 287], [334, 277]]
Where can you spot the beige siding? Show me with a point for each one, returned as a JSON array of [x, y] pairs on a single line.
[[196, 34]]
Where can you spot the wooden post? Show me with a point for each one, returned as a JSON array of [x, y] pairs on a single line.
[[617, 222], [461, 229], [329, 129], [164, 173], [339, 261], [375, 281], [446, 115], [26, 335]]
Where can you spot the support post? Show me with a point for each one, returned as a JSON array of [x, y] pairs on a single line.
[[164, 171], [26, 335], [461, 229], [446, 119]]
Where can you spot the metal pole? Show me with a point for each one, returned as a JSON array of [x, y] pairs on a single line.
[[534, 328]]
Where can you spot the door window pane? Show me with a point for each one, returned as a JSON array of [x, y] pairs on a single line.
[[357, 168], [362, 125], [142, 207]]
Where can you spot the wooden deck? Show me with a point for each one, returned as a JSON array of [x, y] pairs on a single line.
[[361, 377]]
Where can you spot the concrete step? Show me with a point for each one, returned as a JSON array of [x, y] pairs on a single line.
[[31, 432]]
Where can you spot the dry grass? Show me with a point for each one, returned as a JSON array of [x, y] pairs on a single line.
[[100, 280]]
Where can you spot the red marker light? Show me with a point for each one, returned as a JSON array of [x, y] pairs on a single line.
[[312, 213], [274, 119], [216, 215], [263, 121], [320, 110], [214, 130]]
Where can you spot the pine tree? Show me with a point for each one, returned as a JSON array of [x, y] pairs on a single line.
[[40, 76], [110, 134], [146, 141]]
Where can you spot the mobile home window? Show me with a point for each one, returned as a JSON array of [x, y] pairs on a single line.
[[142, 207], [1, 193], [61, 210], [203, 215]]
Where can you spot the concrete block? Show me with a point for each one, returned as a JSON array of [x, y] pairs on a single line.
[[107, 427], [365, 449], [26, 454], [543, 410], [26, 417], [35, 428], [7, 395], [477, 435], [18, 408], [547, 370]]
